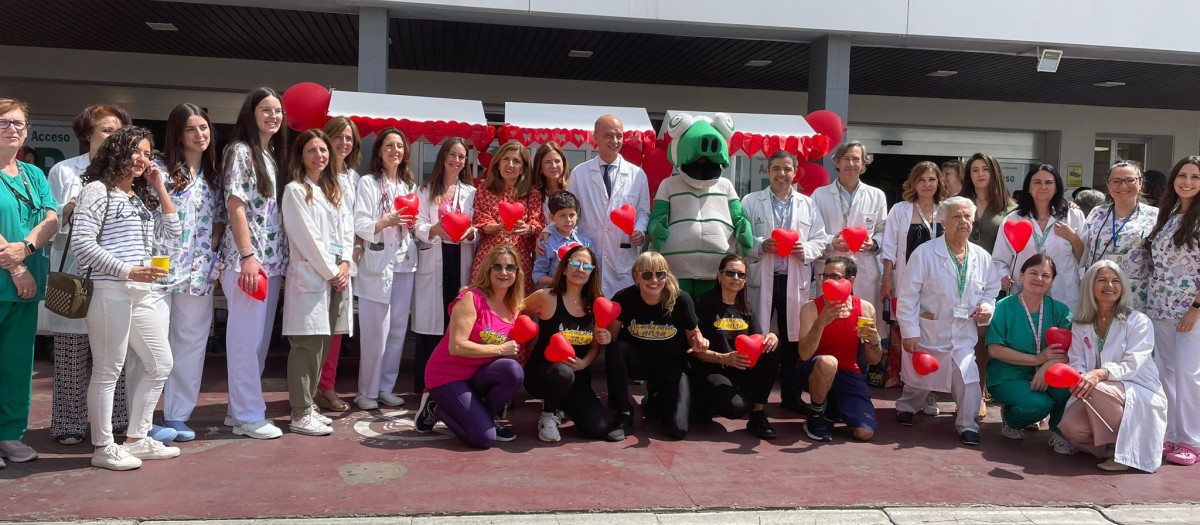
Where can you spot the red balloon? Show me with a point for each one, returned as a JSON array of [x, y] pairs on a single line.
[[436, 131], [1018, 234], [735, 143], [456, 225], [306, 106], [1061, 375], [771, 144], [924, 364], [605, 311], [827, 123], [815, 176], [260, 292], [559, 350], [820, 146], [855, 236], [1062, 336], [408, 203], [632, 153], [785, 240], [750, 346], [624, 218], [838, 290], [524, 329], [562, 250], [657, 167], [510, 213]]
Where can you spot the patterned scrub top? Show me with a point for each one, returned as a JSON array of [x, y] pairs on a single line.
[[1123, 248], [263, 215], [1173, 283], [193, 257]]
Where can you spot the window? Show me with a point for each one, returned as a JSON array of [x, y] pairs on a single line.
[[1111, 150]]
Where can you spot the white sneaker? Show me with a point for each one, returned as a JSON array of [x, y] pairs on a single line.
[[229, 422], [114, 457], [1012, 433], [324, 419], [931, 405], [261, 430], [548, 428], [366, 403], [309, 425], [390, 399], [1062, 445], [17, 452], [150, 448]]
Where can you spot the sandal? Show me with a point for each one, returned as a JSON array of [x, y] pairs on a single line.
[[336, 405], [1182, 454]]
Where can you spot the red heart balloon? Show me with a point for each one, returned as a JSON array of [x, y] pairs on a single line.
[[924, 364], [771, 144], [562, 250], [854, 236], [1018, 234], [436, 131], [559, 350], [624, 218], [260, 292], [605, 311], [750, 346], [815, 176], [456, 225], [756, 144], [510, 213], [792, 145], [798, 178], [409, 203], [838, 290], [415, 131], [631, 153], [1062, 336], [827, 123], [524, 329], [735, 143], [657, 167], [1061, 375], [785, 240], [821, 145]]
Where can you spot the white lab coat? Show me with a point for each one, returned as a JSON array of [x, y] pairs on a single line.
[[925, 309], [1066, 284], [761, 273], [65, 184], [399, 253], [894, 245], [312, 230], [629, 187], [1127, 358], [428, 317], [869, 210]]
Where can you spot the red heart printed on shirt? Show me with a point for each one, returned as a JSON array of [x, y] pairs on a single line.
[[605, 311], [559, 350], [456, 225], [624, 218], [524, 329], [785, 240], [510, 213], [838, 290], [854, 236], [750, 346]]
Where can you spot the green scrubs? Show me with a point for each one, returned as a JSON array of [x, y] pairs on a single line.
[[1009, 383]]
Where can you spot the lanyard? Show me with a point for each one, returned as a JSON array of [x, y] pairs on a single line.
[[928, 222], [1037, 330], [1040, 242], [1098, 252], [960, 269], [846, 207], [28, 201]]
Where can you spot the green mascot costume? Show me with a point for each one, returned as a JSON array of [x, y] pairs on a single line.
[[697, 217]]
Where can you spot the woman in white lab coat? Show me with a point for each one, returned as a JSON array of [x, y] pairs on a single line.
[[386, 269], [1111, 345], [317, 299], [948, 291], [1056, 228], [443, 266]]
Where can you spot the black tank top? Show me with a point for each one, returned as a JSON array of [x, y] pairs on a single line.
[[577, 330]]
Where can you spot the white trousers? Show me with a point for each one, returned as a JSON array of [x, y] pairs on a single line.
[[247, 339], [1177, 355], [123, 317], [967, 397], [189, 320], [382, 330]]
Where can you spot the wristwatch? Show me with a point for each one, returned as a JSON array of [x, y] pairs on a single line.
[[29, 247], [1196, 305]]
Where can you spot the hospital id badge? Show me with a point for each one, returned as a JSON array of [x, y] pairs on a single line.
[[336, 249], [962, 312]]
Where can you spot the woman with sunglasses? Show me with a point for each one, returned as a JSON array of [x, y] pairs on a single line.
[[1115, 231], [657, 328], [566, 308], [726, 381]]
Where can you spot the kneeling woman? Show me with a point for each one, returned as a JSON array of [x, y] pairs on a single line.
[[725, 381], [473, 372], [657, 328], [1111, 345], [566, 308], [316, 302]]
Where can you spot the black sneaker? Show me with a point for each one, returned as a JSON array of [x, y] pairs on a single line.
[[970, 438], [621, 427], [426, 416], [760, 426], [504, 433], [905, 418], [816, 429]]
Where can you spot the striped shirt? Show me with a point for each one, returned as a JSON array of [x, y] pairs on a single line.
[[129, 231]]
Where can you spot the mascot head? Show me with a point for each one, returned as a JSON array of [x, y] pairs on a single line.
[[699, 146]]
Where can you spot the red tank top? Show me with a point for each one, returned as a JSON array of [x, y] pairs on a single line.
[[840, 338]]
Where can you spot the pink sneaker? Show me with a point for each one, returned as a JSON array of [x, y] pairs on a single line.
[[1182, 454]]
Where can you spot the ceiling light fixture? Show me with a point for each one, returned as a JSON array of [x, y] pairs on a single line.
[[1109, 84], [1048, 60], [758, 63], [942, 73], [162, 26], [579, 53]]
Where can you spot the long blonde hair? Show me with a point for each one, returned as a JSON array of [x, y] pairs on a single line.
[[482, 280], [655, 262]]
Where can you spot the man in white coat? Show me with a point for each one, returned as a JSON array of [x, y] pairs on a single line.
[[780, 285], [848, 202], [602, 185], [947, 294]]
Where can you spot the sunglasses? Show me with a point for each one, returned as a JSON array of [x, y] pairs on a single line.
[[735, 275], [502, 268], [654, 276], [576, 264]]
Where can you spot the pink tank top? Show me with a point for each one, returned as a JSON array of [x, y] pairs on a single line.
[[489, 328]]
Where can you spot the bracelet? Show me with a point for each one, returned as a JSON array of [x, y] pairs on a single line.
[[246, 251], [246, 256], [18, 271]]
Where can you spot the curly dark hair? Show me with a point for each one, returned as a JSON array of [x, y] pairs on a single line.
[[114, 162]]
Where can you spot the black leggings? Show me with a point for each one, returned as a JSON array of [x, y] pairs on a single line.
[[667, 387], [730, 392], [560, 387]]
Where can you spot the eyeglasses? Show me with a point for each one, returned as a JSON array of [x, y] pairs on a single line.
[[735, 275], [576, 264], [830, 277], [1124, 182], [18, 125], [504, 268], [654, 276]]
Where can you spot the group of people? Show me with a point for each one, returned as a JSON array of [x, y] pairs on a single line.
[[1121, 280]]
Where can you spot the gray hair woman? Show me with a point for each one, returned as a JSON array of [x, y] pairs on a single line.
[[1125, 419]]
